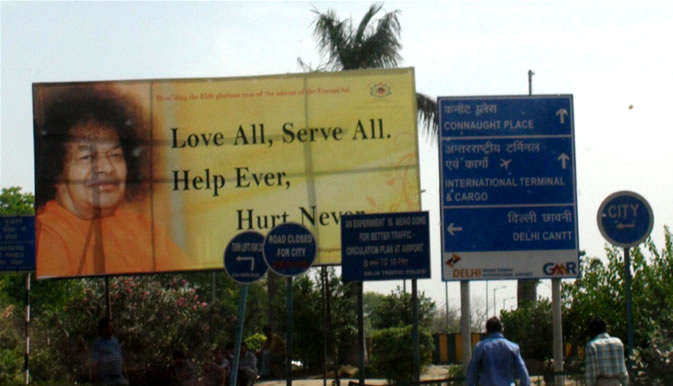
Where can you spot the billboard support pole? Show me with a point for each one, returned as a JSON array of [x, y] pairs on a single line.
[[323, 282], [361, 333], [214, 286], [108, 307], [26, 368], [415, 337], [290, 312], [465, 333], [239, 334], [557, 326]]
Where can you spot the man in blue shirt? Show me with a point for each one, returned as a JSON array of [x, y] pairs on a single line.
[[496, 361], [107, 364]]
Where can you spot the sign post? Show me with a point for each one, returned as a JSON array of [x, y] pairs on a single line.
[[508, 197], [289, 250], [17, 243], [386, 246], [17, 253], [626, 219], [244, 262]]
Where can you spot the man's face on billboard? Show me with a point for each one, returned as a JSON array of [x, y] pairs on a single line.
[[93, 182]]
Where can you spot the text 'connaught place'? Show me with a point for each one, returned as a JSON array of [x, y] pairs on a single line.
[[528, 124]]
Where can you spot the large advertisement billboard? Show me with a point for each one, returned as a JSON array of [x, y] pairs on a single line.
[[159, 175]]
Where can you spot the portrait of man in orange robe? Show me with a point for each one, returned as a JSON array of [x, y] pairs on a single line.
[[92, 165]]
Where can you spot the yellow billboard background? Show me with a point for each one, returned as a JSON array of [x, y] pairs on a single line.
[[236, 154]]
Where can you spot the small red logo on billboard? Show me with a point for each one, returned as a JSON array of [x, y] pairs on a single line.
[[453, 260], [380, 90]]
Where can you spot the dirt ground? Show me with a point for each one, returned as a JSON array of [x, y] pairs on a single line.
[[431, 372]]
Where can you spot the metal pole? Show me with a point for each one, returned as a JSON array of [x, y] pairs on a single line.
[[415, 338], [495, 305], [26, 368], [486, 299], [323, 279], [214, 287], [557, 327], [290, 312], [530, 82], [629, 312], [239, 335], [466, 334], [361, 333], [446, 304], [108, 307]]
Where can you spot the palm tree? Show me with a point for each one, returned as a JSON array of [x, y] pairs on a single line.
[[377, 45], [372, 44]]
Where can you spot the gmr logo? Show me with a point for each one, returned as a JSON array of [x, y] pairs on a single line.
[[553, 269]]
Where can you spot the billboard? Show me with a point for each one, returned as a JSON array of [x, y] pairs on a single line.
[[159, 175]]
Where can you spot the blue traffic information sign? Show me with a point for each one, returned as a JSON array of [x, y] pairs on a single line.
[[289, 249], [244, 257], [625, 219], [508, 197], [17, 243], [385, 246]]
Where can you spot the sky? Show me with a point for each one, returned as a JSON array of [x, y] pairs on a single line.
[[614, 57]]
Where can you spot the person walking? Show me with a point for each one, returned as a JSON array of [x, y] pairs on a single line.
[[496, 361], [604, 357], [107, 364]]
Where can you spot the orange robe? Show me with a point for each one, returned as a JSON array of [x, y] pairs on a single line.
[[123, 243]]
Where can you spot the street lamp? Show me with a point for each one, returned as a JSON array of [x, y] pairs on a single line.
[[504, 301], [495, 307]]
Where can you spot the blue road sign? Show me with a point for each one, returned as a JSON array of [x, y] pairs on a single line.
[[289, 249], [244, 257], [508, 197], [625, 219], [17, 243], [385, 246]]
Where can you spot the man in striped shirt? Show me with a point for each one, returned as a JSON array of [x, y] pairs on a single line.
[[604, 358]]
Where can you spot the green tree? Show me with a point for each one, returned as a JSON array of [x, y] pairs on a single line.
[[599, 293], [394, 310], [15, 202], [391, 356], [527, 326], [372, 43]]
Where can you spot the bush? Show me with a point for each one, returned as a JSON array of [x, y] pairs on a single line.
[[11, 344], [392, 356], [255, 342]]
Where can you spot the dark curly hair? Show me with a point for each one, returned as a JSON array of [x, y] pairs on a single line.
[[60, 108]]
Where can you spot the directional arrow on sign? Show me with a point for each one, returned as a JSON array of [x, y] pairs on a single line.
[[561, 113], [451, 229], [563, 158], [251, 259]]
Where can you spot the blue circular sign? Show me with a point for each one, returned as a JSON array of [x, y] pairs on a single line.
[[625, 219], [289, 249], [244, 257]]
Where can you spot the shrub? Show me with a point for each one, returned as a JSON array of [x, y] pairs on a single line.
[[392, 356], [255, 342]]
